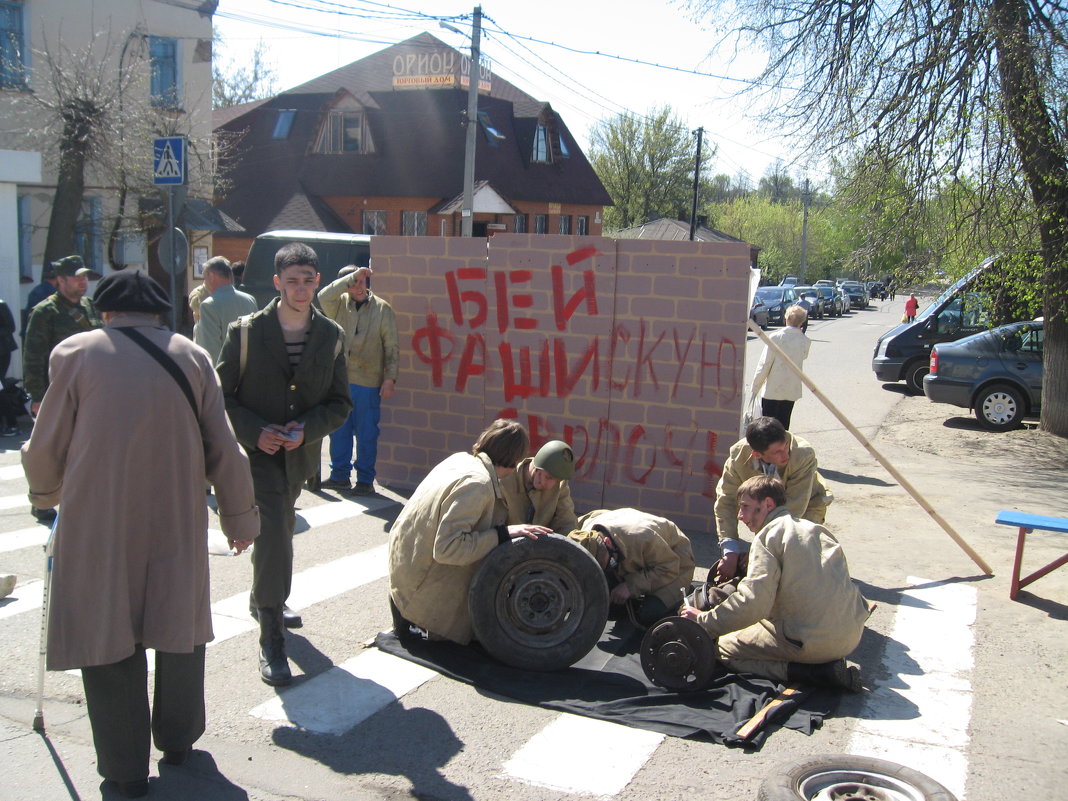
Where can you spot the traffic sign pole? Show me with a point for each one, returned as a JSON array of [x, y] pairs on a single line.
[[174, 255], [168, 169]]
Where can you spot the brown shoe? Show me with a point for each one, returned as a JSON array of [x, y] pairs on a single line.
[[363, 488]]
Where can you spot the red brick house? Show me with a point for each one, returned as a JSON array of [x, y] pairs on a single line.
[[378, 147]]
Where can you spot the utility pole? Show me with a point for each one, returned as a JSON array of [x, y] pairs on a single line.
[[467, 212], [696, 182], [806, 200]]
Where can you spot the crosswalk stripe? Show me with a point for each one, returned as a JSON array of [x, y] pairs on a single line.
[[559, 756], [23, 538], [14, 501], [25, 598], [347, 694], [921, 720], [11, 472]]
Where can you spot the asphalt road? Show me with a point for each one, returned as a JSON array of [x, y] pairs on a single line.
[[962, 683]]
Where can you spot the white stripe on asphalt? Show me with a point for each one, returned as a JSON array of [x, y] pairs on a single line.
[[14, 501], [11, 472], [920, 717], [23, 538], [25, 598], [347, 694], [558, 757]]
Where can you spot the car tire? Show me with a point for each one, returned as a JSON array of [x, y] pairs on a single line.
[[538, 604], [914, 373], [999, 407], [846, 776]]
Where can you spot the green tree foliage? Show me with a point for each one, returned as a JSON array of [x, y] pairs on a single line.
[[646, 164], [239, 77], [974, 90]]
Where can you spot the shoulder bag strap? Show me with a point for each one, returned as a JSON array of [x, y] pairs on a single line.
[[166, 362]]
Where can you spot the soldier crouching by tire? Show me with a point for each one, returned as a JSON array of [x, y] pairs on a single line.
[[647, 560], [452, 522], [796, 614]]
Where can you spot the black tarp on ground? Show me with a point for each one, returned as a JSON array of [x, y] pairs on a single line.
[[609, 684]]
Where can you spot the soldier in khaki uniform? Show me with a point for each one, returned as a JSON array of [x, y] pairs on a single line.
[[62, 314], [647, 559], [537, 490]]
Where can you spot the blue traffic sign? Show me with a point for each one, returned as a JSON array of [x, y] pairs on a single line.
[[168, 161]]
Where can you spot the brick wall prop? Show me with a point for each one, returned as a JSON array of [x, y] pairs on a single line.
[[631, 350]]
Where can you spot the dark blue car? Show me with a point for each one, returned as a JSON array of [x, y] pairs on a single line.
[[997, 373]]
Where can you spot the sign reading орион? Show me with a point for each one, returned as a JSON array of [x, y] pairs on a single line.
[[437, 69]]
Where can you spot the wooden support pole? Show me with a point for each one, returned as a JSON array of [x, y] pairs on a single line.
[[863, 440]]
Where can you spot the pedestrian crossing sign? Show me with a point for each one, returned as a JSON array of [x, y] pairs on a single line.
[[168, 161]]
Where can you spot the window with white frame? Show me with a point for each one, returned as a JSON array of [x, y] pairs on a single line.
[[583, 225], [12, 46], [541, 153], [413, 223], [374, 222], [541, 223], [344, 132], [519, 224], [89, 234], [165, 86], [565, 223]]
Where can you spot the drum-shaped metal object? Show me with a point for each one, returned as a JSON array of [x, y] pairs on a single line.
[[679, 655], [538, 604]]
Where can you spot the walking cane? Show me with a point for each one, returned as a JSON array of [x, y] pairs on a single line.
[[46, 600]]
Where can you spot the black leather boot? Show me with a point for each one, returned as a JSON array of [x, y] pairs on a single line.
[[835, 675], [290, 619], [274, 667]]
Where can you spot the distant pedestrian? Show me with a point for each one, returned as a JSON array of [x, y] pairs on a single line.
[[125, 449], [911, 305], [805, 304], [892, 288], [8, 345], [222, 306], [783, 385]]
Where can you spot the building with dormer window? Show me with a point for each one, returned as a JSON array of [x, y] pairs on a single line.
[[377, 147]]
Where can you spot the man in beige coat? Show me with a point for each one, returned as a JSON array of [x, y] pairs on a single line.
[[767, 449], [126, 451], [455, 517], [537, 490], [647, 559], [781, 385], [796, 614]]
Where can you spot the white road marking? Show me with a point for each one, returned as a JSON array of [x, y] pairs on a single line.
[[558, 757], [23, 538], [347, 694], [920, 717], [11, 472], [14, 501], [25, 598]]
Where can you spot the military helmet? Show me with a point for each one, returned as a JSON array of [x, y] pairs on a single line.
[[556, 458]]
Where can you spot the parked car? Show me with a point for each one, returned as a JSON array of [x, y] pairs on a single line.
[[790, 280], [758, 312], [996, 373], [843, 298], [858, 295], [777, 299], [832, 301], [825, 282], [814, 298]]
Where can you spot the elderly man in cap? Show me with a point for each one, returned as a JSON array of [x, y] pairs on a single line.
[[63, 314], [796, 614], [131, 556], [647, 560], [537, 490]]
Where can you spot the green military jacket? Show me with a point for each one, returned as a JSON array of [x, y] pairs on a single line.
[[52, 320], [268, 391]]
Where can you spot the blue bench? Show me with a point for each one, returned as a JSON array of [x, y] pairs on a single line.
[[1026, 524]]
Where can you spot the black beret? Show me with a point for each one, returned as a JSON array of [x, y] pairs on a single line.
[[130, 291]]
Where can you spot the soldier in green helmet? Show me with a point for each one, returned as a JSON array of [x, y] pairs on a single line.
[[537, 492]]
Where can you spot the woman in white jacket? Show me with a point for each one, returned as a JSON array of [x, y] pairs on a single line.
[[782, 387]]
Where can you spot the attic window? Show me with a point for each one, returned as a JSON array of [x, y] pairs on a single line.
[[564, 152], [493, 136], [345, 132], [283, 122], [541, 152]]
